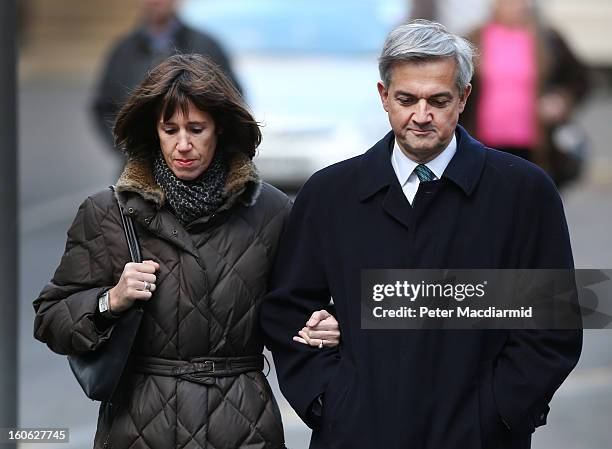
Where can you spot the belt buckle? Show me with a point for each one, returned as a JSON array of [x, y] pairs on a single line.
[[208, 366]]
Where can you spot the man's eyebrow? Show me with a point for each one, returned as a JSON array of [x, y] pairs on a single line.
[[437, 95], [442, 94]]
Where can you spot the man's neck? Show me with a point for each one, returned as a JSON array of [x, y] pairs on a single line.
[[422, 159], [159, 26]]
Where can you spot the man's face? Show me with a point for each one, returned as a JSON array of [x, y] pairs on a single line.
[[423, 104], [159, 10]]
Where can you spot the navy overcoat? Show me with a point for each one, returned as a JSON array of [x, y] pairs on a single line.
[[435, 389]]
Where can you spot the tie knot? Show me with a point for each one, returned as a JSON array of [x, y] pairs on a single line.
[[424, 173]]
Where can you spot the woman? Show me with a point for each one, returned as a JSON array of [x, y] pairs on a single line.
[[527, 84], [208, 230]]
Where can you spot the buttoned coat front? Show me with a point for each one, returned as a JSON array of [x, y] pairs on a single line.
[[435, 389]]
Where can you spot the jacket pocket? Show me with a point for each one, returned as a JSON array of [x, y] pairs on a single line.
[[492, 428], [335, 398]]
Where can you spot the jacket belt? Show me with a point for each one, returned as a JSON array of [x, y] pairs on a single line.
[[198, 368]]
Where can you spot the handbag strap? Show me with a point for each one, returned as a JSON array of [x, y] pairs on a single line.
[[130, 234]]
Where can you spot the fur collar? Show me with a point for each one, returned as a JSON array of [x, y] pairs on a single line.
[[242, 185]]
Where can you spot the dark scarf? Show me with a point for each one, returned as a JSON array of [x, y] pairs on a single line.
[[190, 200]]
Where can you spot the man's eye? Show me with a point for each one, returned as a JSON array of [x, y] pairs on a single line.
[[405, 100], [439, 103]]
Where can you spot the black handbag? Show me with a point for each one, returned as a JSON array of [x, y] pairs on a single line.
[[99, 372]]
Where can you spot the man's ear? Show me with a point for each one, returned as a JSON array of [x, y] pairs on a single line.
[[464, 96], [384, 95]]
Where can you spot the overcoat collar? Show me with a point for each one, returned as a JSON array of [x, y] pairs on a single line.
[[142, 198], [464, 169], [241, 186]]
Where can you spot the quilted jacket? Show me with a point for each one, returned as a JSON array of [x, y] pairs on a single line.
[[213, 274]]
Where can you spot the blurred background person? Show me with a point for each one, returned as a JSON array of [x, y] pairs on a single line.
[[527, 85], [159, 34], [458, 16]]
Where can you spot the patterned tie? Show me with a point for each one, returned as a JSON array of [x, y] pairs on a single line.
[[424, 173]]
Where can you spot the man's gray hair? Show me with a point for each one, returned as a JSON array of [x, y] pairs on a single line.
[[422, 40]]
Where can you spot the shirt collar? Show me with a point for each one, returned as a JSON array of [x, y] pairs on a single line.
[[164, 40], [464, 169], [404, 166]]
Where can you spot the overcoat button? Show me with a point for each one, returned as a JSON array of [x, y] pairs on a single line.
[[174, 232], [130, 210]]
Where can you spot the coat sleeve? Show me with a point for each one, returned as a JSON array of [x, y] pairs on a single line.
[[108, 96], [533, 364], [298, 287], [66, 316]]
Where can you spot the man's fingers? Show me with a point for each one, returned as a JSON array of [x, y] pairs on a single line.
[[316, 317]]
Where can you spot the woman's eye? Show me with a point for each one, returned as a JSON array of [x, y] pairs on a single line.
[[197, 130], [169, 130]]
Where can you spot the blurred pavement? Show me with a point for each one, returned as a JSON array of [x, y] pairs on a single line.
[[63, 161]]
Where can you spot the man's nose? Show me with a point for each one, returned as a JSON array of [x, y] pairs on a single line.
[[183, 143], [422, 114]]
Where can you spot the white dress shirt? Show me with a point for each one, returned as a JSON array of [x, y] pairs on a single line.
[[404, 167]]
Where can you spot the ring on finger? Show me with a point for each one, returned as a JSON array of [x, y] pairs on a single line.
[[321, 344], [147, 286]]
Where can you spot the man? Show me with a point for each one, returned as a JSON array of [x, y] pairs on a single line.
[[160, 35], [425, 196]]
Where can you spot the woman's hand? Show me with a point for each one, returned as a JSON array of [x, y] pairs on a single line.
[[321, 330], [132, 287]]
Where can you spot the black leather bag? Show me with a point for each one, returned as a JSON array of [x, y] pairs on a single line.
[[99, 373]]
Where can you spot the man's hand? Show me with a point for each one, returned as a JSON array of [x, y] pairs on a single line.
[[321, 330]]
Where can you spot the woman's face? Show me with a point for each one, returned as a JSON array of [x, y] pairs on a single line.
[[512, 12], [188, 143]]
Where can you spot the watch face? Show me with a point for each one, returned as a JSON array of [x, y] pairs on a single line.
[[103, 303]]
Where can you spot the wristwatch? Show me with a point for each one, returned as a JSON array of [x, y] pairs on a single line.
[[104, 306]]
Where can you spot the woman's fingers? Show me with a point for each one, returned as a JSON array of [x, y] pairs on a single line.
[[317, 317], [304, 335], [150, 278], [320, 339], [140, 286], [300, 340], [151, 263], [327, 324], [140, 277], [140, 295], [323, 335]]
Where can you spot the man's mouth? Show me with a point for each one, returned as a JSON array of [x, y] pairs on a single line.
[[420, 132]]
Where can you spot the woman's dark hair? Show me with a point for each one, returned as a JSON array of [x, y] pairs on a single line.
[[174, 83]]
